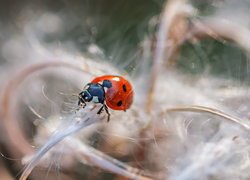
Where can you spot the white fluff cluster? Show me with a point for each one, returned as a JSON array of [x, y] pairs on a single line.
[[197, 129]]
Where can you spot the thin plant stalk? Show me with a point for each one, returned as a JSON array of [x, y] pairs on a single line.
[[79, 121], [99, 159], [8, 96], [212, 111], [165, 47]]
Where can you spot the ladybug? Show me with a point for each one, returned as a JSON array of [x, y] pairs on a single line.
[[114, 92]]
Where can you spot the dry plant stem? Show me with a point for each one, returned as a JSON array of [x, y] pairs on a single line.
[[159, 53], [165, 45], [99, 159], [83, 152], [219, 29], [17, 140], [216, 112], [79, 121]]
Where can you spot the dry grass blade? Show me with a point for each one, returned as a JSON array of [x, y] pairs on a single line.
[[219, 29], [101, 160], [172, 29], [9, 120], [77, 122], [204, 109]]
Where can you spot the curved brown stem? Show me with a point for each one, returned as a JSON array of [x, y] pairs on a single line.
[[204, 109], [219, 29], [173, 26], [17, 141]]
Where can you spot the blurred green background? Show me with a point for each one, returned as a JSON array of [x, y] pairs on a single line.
[[118, 27]]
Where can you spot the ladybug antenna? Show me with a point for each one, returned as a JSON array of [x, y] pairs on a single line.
[[107, 84]]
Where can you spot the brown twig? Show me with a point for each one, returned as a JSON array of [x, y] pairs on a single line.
[[204, 109], [173, 26], [17, 141], [219, 29]]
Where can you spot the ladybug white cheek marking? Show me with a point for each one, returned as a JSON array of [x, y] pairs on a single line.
[[95, 99]]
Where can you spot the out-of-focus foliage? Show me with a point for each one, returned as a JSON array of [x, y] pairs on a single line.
[[116, 26], [115, 31], [225, 60]]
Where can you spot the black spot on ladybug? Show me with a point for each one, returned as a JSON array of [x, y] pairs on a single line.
[[124, 88], [119, 103]]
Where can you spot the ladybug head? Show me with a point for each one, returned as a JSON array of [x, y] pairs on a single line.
[[86, 96]]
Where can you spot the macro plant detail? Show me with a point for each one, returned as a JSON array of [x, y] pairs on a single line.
[[62, 107]]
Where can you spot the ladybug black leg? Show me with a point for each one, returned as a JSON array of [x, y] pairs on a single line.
[[100, 110], [81, 103], [107, 111]]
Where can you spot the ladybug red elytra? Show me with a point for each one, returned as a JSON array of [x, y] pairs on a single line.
[[112, 91]]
